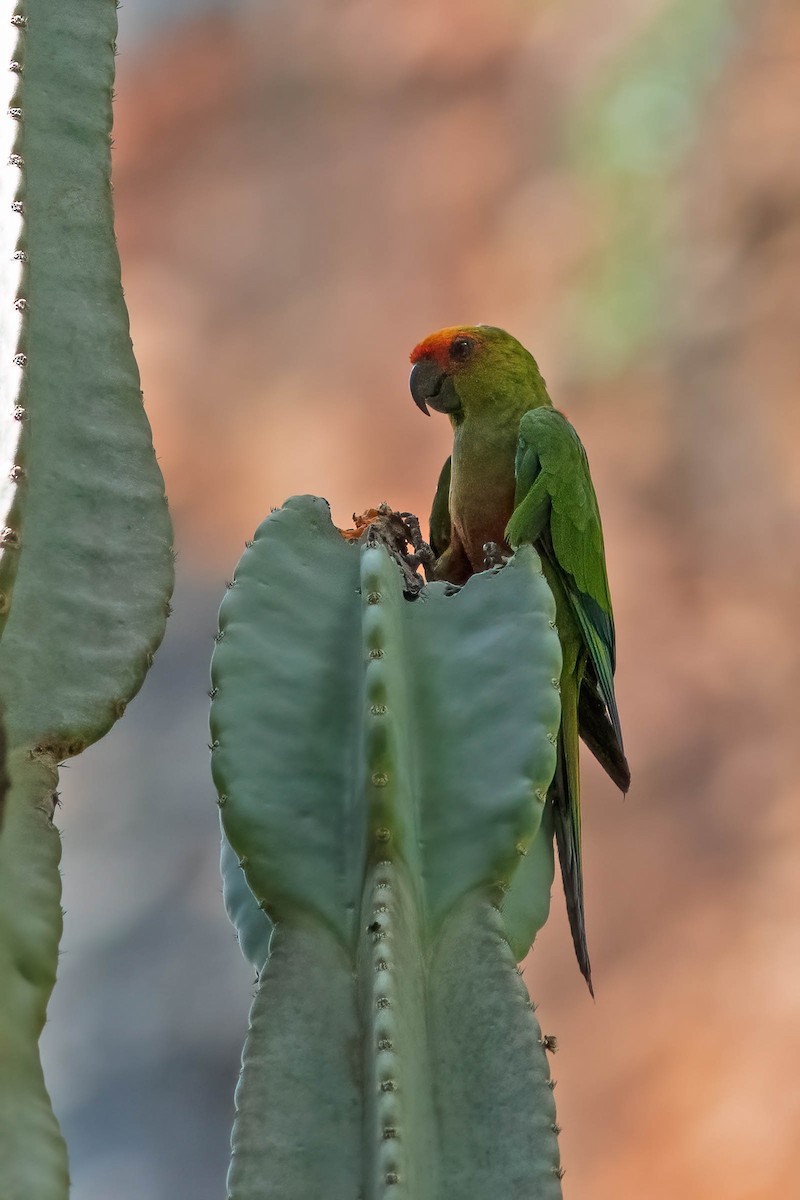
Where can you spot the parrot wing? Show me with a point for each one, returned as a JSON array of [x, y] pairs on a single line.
[[440, 513], [599, 734], [556, 507]]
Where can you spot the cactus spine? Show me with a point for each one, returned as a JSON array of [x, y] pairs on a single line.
[[382, 769], [87, 542]]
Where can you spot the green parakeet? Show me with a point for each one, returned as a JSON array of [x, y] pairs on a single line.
[[518, 474]]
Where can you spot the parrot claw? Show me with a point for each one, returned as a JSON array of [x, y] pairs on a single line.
[[492, 556]]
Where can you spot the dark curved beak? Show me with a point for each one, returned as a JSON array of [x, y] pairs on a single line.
[[425, 383]]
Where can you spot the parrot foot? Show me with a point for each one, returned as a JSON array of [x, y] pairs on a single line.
[[493, 556]]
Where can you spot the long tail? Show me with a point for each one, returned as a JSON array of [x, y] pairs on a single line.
[[566, 797]]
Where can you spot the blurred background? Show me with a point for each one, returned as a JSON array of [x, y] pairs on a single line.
[[303, 191]]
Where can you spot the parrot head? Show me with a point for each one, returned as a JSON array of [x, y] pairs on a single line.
[[466, 369]]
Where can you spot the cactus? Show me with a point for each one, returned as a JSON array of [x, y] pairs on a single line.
[[382, 768], [87, 539]]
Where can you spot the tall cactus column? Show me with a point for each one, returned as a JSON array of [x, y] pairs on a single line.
[[396, 1084], [382, 768], [85, 554]]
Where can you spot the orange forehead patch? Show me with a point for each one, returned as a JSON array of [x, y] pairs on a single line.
[[437, 345]]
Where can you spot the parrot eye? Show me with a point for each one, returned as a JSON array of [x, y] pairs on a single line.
[[461, 348]]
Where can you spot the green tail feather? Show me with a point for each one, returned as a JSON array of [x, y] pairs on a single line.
[[566, 798]]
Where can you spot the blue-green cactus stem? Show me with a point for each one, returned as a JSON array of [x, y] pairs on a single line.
[[85, 537], [33, 1158], [297, 1132], [382, 769], [399, 1121], [95, 568], [496, 1111], [282, 751], [399, 1130]]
